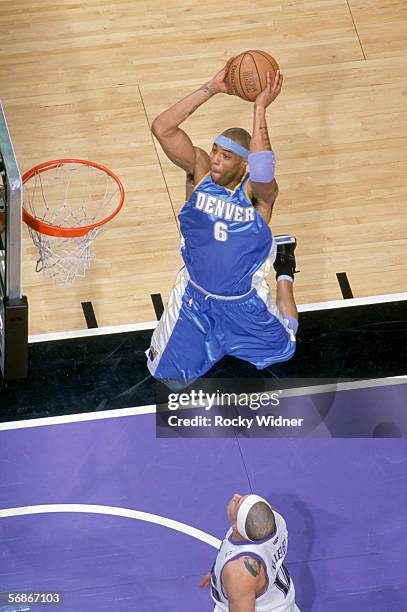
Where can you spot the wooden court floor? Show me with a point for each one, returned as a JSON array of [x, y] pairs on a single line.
[[86, 79]]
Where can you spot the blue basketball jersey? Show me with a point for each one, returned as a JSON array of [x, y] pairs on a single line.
[[224, 239]]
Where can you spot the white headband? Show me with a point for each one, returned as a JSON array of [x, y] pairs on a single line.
[[244, 510]]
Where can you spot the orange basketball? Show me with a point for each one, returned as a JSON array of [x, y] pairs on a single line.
[[247, 73]]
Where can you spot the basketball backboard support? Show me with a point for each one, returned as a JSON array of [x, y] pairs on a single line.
[[13, 305]]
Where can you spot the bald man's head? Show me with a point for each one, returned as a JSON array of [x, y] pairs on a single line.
[[260, 522]]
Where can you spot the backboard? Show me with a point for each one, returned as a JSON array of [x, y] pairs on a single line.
[[13, 305]]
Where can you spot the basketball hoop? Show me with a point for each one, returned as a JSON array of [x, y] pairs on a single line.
[[66, 204]]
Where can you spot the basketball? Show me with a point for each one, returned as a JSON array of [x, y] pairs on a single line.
[[247, 73]]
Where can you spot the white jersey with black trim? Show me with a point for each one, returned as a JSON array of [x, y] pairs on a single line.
[[279, 595]]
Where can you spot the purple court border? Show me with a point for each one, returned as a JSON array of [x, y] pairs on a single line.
[[343, 501]]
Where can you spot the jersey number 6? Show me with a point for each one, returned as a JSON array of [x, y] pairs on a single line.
[[220, 231]]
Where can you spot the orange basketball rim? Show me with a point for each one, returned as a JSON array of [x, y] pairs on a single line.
[[37, 221]]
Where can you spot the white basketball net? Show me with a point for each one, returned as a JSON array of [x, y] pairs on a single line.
[[69, 196]]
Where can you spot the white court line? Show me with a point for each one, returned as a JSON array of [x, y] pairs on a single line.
[[97, 331], [362, 301], [370, 383], [151, 409], [114, 511], [78, 418], [131, 327]]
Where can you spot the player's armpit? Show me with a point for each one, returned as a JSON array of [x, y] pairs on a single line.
[[202, 164], [267, 192], [201, 169], [263, 196], [189, 185]]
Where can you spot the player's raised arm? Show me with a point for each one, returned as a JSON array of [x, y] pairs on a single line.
[[240, 579], [175, 142], [261, 159]]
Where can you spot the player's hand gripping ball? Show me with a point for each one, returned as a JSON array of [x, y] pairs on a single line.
[[247, 73]]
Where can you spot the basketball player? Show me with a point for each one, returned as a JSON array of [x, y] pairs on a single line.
[[248, 574], [221, 303]]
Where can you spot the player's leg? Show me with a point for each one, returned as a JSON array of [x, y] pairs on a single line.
[[285, 298], [182, 346], [284, 266], [261, 331], [256, 331]]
